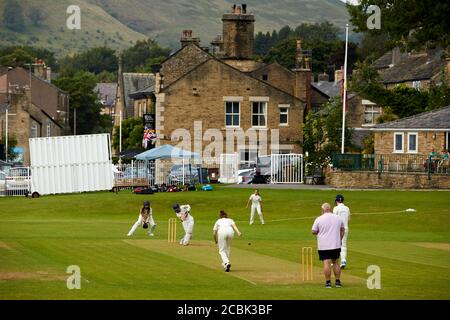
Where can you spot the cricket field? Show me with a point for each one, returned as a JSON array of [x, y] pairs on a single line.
[[40, 239]]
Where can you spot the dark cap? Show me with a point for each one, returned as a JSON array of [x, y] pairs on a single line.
[[340, 198], [176, 206], [146, 204]]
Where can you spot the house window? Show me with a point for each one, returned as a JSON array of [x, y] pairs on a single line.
[[232, 113], [284, 116], [259, 114], [34, 130], [265, 77], [371, 113], [398, 142], [248, 157], [49, 130], [416, 85], [412, 142]]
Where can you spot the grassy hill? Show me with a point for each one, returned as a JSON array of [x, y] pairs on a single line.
[[118, 23]]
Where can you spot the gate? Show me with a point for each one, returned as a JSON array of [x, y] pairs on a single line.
[[228, 168], [16, 182], [286, 168]]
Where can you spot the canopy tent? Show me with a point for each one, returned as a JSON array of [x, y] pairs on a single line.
[[167, 152]]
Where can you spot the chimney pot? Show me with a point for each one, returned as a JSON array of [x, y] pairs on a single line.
[[244, 8], [234, 8], [238, 10]]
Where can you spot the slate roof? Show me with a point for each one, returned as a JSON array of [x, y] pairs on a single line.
[[133, 82], [107, 93], [143, 92], [413, 68], [384, 61], [330, 89], [435, 119]]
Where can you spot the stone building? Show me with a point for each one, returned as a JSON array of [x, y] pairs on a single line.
[[107, 94], [418, 134], [197, 91], [39, 111]]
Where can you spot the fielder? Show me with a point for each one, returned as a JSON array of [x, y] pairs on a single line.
[[255, 198], [184, 213], [145, 218], [223, 233], [344, 212]]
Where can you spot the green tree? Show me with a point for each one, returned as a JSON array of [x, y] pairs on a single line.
[[132, 135], [27, 54], [411, 23], [13, 16], [142, 55], [12, 143], [322, 135], [95, 60], [82, 98], [36, 16], [17, 58]]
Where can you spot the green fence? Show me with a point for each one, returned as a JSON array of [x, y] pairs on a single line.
[[419, 163]]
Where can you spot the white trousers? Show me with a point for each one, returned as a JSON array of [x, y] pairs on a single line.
[[344, 247], [188, 226], [224, 240], [140, 221], [252, 213]]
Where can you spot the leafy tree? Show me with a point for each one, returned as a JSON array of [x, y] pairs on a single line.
[[410, 23], [322, 135], [26, 54], [13, 16], [12, 143], [17, 58], [132, 134], [142, 55], [106, 77], [82, 98], [94, 60]]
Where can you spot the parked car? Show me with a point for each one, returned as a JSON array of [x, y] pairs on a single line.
[[190, 174], [18, 180], [2, 182], [137, 173]]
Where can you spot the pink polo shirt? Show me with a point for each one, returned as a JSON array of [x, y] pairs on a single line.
[[328, 227]]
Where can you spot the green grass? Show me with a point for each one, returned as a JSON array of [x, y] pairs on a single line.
[[40, 238]]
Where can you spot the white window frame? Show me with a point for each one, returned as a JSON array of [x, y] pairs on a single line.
[[403, 142], [49, 130], [282, 106], [417, 142], [369, 109], [417, 85], [266, 104], [242, 161], [232, 114], [447, 141]]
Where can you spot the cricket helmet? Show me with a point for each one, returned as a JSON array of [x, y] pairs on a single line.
[[146, 204], [340, 198]]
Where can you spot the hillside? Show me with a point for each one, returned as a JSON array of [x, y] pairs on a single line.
[[120, 22]]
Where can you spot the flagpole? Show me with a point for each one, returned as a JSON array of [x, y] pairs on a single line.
[[344, 102]]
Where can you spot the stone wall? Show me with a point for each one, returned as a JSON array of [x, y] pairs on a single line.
[[362, 180]]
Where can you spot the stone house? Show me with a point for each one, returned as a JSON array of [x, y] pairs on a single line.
[[418, 134], [415, 70], [41, 111], [226, 90], [107, 94]]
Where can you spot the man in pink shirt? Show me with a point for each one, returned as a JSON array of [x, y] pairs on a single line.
[[329, 229]]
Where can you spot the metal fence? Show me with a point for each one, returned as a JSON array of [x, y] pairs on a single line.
[[15, 182], [418, 163]]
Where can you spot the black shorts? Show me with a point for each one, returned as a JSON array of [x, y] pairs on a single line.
[[332, 254]]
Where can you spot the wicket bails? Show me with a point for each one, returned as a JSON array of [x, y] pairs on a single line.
[[172, 230], [307, 263]]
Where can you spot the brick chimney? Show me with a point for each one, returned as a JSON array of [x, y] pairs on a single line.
[[324, 77], [303, 75], [187, 38], [238, 33]]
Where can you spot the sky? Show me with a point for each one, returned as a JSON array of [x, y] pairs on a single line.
[[351, 1]]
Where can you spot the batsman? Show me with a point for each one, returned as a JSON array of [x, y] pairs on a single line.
[[184, 213]]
